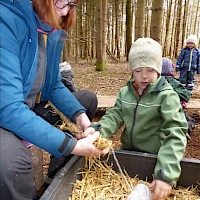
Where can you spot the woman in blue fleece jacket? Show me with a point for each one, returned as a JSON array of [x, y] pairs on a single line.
[[31, 41]]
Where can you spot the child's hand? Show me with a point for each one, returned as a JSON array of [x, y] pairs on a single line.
[[176, 74], [161, 189], [184, 104], [178, 68]]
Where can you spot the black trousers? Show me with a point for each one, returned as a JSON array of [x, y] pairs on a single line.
[[86, 98], [16, 169], [187, 78]]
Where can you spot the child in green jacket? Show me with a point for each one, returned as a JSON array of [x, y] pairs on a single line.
[[179, 88], [152, 114]]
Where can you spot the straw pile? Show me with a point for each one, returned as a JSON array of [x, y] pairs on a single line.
[[101, 182]]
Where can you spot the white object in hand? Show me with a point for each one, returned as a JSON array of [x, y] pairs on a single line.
[[140, 192]]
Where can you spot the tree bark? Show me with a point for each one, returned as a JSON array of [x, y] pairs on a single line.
[[156, 20], [101, 27], [129, 23], [178, 29], [140, 19]]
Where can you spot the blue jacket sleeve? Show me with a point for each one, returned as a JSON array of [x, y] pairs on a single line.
[[180, 60], [198, 62]]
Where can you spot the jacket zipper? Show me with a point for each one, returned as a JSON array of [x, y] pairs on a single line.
[[191, 54], [134, 119]]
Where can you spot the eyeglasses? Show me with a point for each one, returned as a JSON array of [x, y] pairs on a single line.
[[64, 3]]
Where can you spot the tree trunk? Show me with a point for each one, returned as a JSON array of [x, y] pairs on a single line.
[[178, 29], [173, 30], [64, 55], [93, 45], [185, 14], [168, 20], [129, 23], [117, 28], [140, 19], [101, 34], [147, 18], [113, 27], [156, 20], [197, 20]]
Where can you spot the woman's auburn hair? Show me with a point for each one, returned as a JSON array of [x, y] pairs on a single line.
[[45, 9]]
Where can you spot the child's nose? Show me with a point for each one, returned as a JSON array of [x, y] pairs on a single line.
[[144, 75]]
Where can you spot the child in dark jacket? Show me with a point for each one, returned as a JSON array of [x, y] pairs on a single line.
[[179, 88], [188, 62]]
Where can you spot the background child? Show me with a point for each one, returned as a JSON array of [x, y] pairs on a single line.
[[152, 114], [188, 62], [179, 88]]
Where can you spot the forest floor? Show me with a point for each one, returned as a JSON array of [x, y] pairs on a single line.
[[109, 81]]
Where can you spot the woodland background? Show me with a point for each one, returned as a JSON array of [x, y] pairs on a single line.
[[107, 28]]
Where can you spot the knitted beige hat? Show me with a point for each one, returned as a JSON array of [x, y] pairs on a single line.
[[146, 52], [192, 38]]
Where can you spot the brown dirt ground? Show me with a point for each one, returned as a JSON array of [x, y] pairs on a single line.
[[108, 82]]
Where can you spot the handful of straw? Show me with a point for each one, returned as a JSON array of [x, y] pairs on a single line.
[[66, 125]]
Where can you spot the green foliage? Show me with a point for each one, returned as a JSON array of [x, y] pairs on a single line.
[[100, 66]]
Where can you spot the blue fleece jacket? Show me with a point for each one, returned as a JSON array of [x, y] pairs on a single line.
[[189, 59], [18, 66]]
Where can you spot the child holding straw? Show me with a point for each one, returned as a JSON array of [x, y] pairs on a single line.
[[152, 114]]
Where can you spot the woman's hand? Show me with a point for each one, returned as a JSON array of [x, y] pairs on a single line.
[[88, 131], [83, 121], [161, 189], [85, 146]]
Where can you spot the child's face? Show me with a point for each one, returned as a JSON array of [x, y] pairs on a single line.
[[143, 76], [190, 45]]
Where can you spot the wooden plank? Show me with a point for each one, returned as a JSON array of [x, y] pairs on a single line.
[[194, 104], [106, 101], [109, 101]]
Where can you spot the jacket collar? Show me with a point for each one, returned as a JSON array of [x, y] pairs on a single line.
[[42, 26], [156, 86]]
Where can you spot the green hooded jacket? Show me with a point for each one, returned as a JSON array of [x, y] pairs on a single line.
[[179, 88], [154, 123]]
